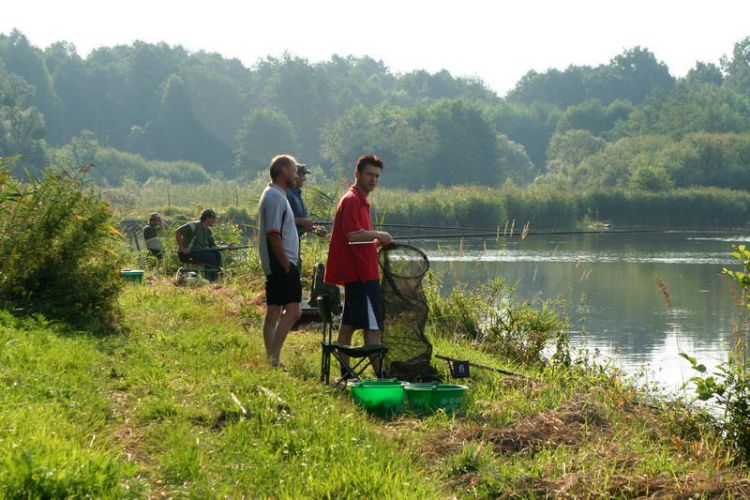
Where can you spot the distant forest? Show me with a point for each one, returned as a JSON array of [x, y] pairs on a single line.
[[144, 111]]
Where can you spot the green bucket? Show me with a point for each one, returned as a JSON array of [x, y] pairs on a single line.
[[424, 398], [132, 275], [379, 397]]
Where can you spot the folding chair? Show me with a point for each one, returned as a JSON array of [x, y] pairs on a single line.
[[338, 351], [318, 288]]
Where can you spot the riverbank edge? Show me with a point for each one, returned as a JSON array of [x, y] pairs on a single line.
[[179, 405]]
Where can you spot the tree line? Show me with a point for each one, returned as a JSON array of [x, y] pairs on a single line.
[[145, 110]]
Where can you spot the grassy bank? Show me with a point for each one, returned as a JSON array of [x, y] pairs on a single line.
[[151, 412]]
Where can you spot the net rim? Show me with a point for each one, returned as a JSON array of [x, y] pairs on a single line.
[[419, 251]]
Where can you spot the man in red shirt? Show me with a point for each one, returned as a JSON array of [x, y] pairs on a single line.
[[353, 257]]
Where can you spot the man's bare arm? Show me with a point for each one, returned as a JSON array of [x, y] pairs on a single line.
[[383, 238], [304, 223], [181, 243], [277, 247]]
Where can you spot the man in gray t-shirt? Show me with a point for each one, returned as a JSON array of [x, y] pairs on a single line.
[[276, 215], [278, 245]]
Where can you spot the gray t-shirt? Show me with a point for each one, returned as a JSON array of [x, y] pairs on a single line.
[[275, 214]]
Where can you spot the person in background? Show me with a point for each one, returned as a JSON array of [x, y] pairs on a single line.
[[194, 241], [353, 257], [152, 235], [301, 218], [294, 196], [278, 246]]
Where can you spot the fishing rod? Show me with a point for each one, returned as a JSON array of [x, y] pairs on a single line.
[[504, 235], [475, 232], [423, 226], [218, 249], [523, 234], [510, 230]]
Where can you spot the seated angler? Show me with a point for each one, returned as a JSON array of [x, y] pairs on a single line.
[[152, 234], [195, 241]]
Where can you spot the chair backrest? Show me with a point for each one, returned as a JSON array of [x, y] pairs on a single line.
[[319, 288], [324, 309]]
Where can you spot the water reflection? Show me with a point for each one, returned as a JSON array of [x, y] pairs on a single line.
[[610, 283]]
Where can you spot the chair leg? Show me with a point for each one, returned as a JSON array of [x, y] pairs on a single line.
[[354, 371], [381, 364], [325, 365]]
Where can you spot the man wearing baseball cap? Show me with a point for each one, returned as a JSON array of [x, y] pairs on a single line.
[[301, 218], [152, 234], [294, 196], [193, 240]]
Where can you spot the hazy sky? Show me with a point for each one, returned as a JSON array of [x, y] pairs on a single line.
[[495, 41]]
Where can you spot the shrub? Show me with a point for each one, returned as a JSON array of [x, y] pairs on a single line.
[[491, 316], [241, 218], [729, 385], [56, 256]]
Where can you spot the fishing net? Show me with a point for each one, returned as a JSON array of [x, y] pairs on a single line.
[[405, 313]]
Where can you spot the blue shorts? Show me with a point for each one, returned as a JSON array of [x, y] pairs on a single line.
[[363, 305]]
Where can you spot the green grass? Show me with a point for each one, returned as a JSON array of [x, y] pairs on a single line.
[[150, 412], [56, 415]]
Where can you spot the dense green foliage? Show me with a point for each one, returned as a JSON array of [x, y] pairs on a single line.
[[547, 207], [543, 207], [57, 254], [113, 167], [566, 127]]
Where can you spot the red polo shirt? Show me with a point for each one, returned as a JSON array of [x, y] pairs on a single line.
[[349, 263]]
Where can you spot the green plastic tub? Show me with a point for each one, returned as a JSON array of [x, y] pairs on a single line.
[[430, 397], [133, 275], [379, 397]]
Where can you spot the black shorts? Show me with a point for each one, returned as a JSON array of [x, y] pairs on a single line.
[[283, 288], [363, 305]]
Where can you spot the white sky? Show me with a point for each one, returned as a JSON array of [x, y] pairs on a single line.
[[493, 40]]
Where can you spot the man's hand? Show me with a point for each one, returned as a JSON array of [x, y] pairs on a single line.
[[184, 251], [384, 239], [319, 230], [231, 246], [306, 224]]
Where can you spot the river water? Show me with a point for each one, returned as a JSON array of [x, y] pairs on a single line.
[[609, 283]]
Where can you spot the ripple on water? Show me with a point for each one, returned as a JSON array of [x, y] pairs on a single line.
[[713, 258]]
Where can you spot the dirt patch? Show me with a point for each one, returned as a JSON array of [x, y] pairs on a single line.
[[510, 383], [128, 434], [569, 424], [230, 298], [465, 482], [130, 437], [577, 484]]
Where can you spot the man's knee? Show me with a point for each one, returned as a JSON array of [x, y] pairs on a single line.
[[345, 335], [294, 311], [273, 313]]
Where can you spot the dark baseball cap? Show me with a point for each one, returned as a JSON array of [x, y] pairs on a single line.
[[208, 212], [303, 168]]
